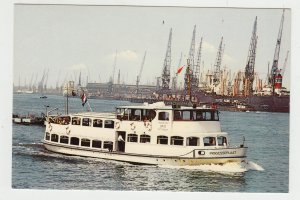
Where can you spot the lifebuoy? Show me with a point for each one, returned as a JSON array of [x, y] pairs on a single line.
[[50, 127], [148, 126], [67, 130], [132, 126], [117, 125]]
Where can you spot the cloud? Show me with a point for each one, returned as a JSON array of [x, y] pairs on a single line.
[[208, 47], [126, 55], [228, 59], [79, 66]]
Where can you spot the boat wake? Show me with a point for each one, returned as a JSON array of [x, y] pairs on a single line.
[[227, 168]]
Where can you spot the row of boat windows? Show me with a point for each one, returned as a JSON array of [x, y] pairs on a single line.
[[178, 140], [178, 115], [164, 140], [85, 142], [99, 123]]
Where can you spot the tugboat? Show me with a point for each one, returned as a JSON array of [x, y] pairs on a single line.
[[153, 134]]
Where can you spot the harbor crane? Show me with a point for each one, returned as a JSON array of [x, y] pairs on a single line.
[[217, 72], [114, 68], [196, 80], [138, 78], [284, 64], [174, 80], [274, 69], [189, 78], [165, 78], [41, 83], [249, 69]]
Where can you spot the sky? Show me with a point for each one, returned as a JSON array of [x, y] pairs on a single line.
[[69, 39]]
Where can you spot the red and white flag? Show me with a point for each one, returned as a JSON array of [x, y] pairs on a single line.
[[179, 70]]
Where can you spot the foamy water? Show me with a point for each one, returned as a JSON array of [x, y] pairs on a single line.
[[232, 167]]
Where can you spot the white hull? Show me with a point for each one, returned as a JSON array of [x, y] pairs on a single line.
[[216, 156]]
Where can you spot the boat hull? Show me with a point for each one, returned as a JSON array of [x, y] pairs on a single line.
[[211, 157]]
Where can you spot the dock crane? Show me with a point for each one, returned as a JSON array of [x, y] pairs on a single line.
[[138, 78], [165, 77], [284, 64], [217, 66], [274, 69], [249, 69]]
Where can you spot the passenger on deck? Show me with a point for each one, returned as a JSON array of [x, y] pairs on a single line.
[[212, 141], [121, 143], [177, 115]]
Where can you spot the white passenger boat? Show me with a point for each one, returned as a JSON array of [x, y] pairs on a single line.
[[148, 134]]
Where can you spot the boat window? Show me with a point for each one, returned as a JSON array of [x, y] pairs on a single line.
[[186, 115], [120, 113], [132, 138], [192, 141], [197, 115], [97, 123], [109, 124], [150, 114], [135, 115], [207, 116], [64, 139], [145, 138], [76, 120], [74, 141], [177, 115], [54, 137], [161, 139], [85, 142], [222, 141], [209, 141], [63, 120], [176, 140], [96, 143], [47, 136], [86, 122], [126, 114], [163, 116], [108, 145], [216, 115]]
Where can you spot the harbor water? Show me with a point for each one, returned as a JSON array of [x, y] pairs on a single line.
[[266, 169]]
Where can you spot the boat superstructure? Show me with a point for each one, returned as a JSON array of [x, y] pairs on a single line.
[[149, 134]]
